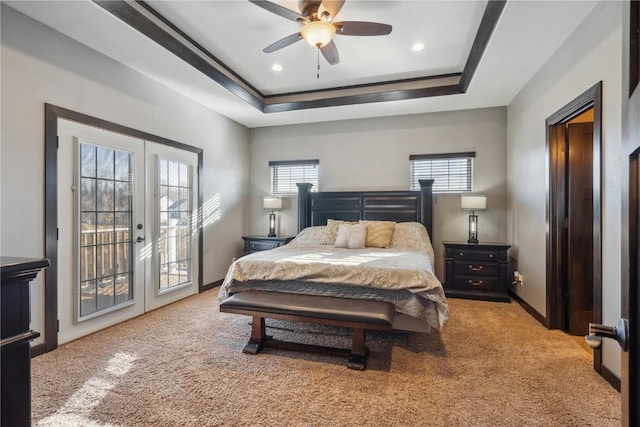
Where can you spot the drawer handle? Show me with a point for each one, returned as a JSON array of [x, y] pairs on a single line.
[[478, 268], [478, 283]]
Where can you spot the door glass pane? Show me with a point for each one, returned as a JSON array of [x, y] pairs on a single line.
[[104, 165], [88, 162], [88, 199], [105, 195], [175, 208], [122, 198], [106, 218]]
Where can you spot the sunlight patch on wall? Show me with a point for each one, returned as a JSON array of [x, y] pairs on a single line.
[[210, 211]]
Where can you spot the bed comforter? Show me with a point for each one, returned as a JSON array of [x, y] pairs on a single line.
[[402, 274]]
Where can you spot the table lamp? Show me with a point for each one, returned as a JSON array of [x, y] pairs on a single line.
[[274, 204], [473, 202]]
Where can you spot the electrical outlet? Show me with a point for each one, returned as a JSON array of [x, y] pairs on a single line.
[[517, 278]]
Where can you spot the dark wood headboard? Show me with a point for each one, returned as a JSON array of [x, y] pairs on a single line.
[[399, 206]]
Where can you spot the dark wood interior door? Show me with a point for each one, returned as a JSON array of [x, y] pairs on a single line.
[[630, 386], [580, 228], [630, 389]]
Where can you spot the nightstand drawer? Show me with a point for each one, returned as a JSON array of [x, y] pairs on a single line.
[[475, 255], [262, 245], [476, 283], [474, 268]]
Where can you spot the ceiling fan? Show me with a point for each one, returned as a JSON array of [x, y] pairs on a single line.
[[317, 18]]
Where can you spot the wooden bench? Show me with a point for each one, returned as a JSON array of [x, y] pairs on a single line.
[[344, 312]]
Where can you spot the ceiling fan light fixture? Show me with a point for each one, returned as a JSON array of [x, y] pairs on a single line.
[[318, 33]]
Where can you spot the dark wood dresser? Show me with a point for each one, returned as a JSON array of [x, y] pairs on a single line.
[[477, 271], [16, 274], [262, 243]]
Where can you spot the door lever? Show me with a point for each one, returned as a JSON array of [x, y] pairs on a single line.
[[620, 333], [140, 239]]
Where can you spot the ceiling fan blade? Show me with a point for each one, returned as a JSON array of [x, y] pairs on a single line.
[[332, 7], [279, 10], [330, 53], [359, 28], [283, 43]]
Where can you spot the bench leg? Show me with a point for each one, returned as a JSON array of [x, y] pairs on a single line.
[[258, 336], [359, 351]]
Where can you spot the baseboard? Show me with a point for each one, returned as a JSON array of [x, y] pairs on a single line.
[[211, 285], [610, 377], [532, 311], [37, 350], [604, 372]]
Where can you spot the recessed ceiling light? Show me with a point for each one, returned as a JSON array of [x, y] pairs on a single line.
[[417, 47], [276, 67]]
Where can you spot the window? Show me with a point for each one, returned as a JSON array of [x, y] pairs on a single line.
[[286, 174], [451, 172]]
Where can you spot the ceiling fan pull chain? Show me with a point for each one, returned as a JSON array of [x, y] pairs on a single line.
[[318, 75]]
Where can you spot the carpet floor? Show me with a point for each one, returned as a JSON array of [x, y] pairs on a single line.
[[182, 365]]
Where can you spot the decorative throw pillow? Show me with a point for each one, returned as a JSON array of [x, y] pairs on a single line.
[[379, 233], [342, 236], [331, 231], [351, 236], [358, 236]]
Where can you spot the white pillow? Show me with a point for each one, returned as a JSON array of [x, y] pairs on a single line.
[[358, 236], [342, 236], [351, 236]]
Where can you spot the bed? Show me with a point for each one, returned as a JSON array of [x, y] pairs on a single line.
[[400, 273]]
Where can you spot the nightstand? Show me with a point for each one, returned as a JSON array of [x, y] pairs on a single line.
[[262, 243], [477, 271]]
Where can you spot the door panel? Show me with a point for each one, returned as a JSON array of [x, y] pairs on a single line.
[[630, 300], [580, 230], [630, 380], [100, 198], [172, 217]]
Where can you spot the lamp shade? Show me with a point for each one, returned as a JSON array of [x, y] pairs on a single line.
[[473, 202], [273, 203], [318, 33]]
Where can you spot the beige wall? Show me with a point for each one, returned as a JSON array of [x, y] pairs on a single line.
[[373, 154], [591, 54], [42, 66]]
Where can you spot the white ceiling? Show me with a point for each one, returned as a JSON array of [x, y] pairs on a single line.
[[235, 32]]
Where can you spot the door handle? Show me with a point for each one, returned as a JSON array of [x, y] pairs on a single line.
[[620, 333], [140, 239]]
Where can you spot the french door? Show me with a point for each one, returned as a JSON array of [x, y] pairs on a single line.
[[127, 227], [172, 222]]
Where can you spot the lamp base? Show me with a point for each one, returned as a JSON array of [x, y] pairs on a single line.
[[473, 228], [272, 225]]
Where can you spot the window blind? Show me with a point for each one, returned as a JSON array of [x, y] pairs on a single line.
[[286, 174], [451, 172]]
